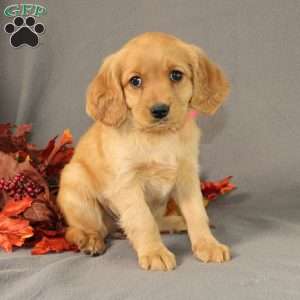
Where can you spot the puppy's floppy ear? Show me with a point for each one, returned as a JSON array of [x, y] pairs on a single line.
[[105, 99], [210, 86]]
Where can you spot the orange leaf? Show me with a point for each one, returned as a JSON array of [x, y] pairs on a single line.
[[59, 146], [66, 137], [13, 232], [15, 207], [52, 245]]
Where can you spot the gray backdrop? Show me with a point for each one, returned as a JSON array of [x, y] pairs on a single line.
[[254, 137]]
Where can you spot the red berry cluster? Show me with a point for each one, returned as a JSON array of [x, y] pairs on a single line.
[[20, 185]]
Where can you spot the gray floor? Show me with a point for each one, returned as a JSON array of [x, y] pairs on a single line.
[[254, 137], [265, 265]]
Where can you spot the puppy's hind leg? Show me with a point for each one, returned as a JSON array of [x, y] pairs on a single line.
[[84, 216]]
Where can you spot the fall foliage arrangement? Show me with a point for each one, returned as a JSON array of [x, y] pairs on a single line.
[[29, 181]]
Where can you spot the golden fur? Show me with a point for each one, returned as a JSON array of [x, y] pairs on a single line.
[[129, 164]]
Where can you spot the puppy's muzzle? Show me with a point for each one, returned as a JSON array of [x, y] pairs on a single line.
[[159, 111]]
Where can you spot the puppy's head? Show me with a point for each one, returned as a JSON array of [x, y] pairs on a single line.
[[153, 81]]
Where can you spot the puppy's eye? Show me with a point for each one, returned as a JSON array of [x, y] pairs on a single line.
[[136, 81], [176, 75]]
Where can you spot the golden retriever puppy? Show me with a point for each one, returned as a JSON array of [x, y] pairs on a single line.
[[143, 149]]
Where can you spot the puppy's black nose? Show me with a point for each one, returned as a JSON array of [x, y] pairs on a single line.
[[159, 111]]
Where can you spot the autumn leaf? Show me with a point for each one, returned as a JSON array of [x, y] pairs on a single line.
[[51, 160], [6, 142], [13, 232], [211, 189], [13, 207], [12, 138], [20, 136], [55, 146], [22, 130], [66, 137], [50, 233], [42, 167], [62, 157], [58, 244], [8, 165], [5, 130], [47, 151], [39, 212]]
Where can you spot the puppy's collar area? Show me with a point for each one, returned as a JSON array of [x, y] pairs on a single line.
[[192, 114]]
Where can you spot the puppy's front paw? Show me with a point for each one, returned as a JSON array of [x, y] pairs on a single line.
[[158, 260], [211, 251], [94, 246], [90, 244]]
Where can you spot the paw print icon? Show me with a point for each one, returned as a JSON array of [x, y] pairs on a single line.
[[24, 31]]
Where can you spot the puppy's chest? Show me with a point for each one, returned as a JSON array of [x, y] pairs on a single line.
[[157, 178], [155, 166]]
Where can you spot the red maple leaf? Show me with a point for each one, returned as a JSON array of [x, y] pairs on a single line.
[[50, 233], [55, 146], [57, 244], [14, 138], [211, 189], [14, 231]]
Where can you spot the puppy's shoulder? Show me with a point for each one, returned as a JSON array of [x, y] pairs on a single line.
[[90, 142]]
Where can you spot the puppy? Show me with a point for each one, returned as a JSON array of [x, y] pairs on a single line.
[[143, 149]]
